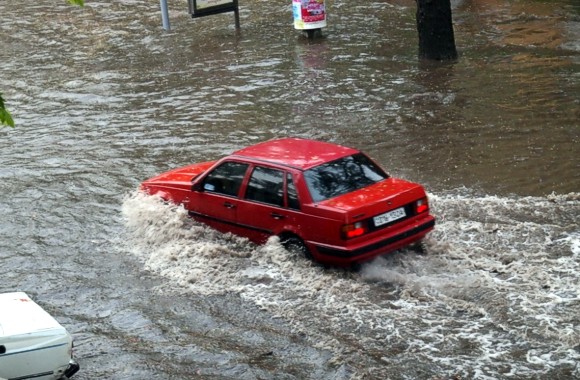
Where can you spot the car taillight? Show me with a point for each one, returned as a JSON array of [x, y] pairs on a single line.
[[350, 231], [421, 205]]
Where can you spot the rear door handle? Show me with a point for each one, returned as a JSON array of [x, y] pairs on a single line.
[[277, 216], [229, 205]]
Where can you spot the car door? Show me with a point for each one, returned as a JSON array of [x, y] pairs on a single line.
[[262, 210], [216, 199]]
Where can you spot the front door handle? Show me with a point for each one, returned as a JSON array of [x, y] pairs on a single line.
[[229, 205], [277, 216]]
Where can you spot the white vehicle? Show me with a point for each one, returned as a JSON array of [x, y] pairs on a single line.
[[33, 345]]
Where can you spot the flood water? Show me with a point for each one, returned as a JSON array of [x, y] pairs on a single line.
[[103, 98]]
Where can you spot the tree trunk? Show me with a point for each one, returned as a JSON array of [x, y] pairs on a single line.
[[435, 27]]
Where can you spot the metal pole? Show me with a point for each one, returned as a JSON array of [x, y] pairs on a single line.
[[237, 15], [237, 18], [165, 15]]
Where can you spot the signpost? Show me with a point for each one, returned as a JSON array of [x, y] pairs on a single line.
[[164, 18], [201, 8]]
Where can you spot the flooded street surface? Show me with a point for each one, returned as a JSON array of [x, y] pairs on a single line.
[[103, 98]]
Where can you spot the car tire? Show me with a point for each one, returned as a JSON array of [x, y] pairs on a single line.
[[420, 247], [294, 244]]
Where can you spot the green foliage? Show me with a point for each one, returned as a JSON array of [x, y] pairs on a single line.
[[77, 2], [5, 118]]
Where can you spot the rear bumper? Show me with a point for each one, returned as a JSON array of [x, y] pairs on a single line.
[[72, 368], [344, 256]]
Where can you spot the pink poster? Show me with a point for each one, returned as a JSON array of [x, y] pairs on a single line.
[[309, 14]]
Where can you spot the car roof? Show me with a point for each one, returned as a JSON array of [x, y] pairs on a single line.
[[296, 152]]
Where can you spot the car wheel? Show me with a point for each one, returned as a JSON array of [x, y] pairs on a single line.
[[420, 247], [294, 244]]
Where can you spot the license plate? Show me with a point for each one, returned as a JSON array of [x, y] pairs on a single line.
[[388, 217]]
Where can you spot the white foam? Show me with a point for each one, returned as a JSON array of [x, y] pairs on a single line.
[[501, 278]]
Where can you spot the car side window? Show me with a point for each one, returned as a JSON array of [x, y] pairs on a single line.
[[226, 178], [267, 186], [292, 193]]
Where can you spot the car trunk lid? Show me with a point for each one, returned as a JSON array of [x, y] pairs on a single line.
[[376, 199]]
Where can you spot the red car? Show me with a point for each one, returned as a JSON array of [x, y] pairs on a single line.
[[330, 202]]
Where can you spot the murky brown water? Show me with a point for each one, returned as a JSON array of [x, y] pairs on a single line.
[[104, 98]]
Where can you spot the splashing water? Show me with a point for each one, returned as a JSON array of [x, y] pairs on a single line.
[[497, 295]]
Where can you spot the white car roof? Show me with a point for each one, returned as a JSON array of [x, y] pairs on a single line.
[[21, 315]]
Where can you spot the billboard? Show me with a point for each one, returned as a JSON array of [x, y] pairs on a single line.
[[199, 8], [309, 14]]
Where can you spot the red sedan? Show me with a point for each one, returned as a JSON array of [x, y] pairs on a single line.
[[329, 202]]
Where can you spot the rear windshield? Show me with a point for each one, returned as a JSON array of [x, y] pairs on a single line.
[[342, 176]]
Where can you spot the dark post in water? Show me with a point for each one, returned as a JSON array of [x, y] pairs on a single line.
[[435, 27]]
